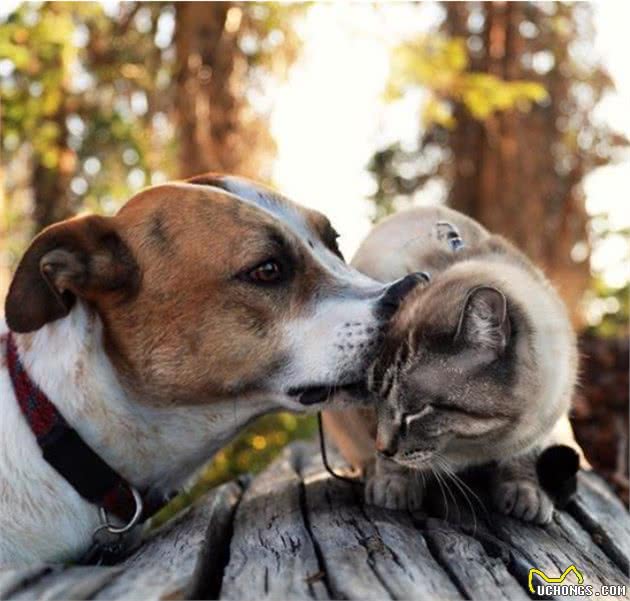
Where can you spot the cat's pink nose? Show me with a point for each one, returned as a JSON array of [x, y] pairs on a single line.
[[384, 448]]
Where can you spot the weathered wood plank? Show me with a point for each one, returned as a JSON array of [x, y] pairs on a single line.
[[183, 559], [604, 516], [554, 548], [78, 582], [476, 572], [298, 533], [13, 579], [551, 549], [271, 553], [522, 547], [347, 547], [369, 553]]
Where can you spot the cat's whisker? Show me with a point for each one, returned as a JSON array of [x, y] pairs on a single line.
[[452, 476], [417, 475], [439, 481], [450, 492], [470, 490], [465, 490]]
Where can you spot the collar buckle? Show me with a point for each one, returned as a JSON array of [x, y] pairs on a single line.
[[118, 530]]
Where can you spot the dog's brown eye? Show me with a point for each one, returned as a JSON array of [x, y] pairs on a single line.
[[266, 273]]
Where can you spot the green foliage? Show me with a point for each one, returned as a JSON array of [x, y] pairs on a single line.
[[76, 107], [440, 65], [41, 58]]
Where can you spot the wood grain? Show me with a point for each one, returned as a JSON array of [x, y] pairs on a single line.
[[296, 532]]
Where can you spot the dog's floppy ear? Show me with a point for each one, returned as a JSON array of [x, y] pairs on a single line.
[[82, 257]]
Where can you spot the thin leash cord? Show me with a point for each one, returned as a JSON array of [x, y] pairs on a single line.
[[322, 448]]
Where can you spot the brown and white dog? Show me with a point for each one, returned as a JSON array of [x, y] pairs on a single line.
[[161, 331]]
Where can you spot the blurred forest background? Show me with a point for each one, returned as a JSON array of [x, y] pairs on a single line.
[[98, 100]]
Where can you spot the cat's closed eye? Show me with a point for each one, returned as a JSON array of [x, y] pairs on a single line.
[[445, 405], [410, 418]]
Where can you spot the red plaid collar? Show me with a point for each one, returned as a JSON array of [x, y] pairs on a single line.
[[42, 416], [63, 448]]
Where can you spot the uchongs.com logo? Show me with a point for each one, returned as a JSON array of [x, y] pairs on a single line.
[[550, 586]]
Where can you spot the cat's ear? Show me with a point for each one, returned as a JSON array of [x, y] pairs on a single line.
[[78, 258], [484, 320]]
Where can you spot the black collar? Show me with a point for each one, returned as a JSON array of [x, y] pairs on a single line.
[[62, 447]]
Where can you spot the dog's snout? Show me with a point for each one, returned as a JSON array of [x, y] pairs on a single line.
[[395, 294]]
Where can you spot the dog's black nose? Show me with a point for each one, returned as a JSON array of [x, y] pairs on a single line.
[[395, 294]]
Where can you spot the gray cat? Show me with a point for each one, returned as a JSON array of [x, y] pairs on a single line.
[[478, 366]]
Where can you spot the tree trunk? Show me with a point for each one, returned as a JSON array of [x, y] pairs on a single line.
[[51, 185], [505, 172], [51, 196], [215, 120]]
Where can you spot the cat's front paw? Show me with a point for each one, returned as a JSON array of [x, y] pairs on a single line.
[[523, 499], [394, 492]]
